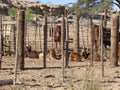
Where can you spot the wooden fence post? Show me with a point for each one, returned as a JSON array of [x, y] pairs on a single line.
[[76, 34], [114, 40], [21, 28], [45, 41], [39, 36], [101, 38], [0, 40], [62, 45], [92, 43], [105, 19], [67, 42]]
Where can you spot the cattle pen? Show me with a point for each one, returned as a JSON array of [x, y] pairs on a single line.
[[76, 35]]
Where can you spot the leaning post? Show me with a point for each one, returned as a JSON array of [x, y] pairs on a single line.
[[114, 40], [19, 50]]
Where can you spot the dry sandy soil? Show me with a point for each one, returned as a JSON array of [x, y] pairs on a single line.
[[78, 77]]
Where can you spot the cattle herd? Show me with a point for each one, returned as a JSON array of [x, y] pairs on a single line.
[[83, 54]]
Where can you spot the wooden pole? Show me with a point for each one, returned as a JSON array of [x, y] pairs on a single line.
[[105, 18], [76, 34], [36, 32], [67, 41], [14, 35], [6, 82], [91, 33], [39, 35], [16, 51], [21, 39], [83, 45], [102, 62], [62, 46], [45, 41], [114, 40], [0, 40], [51, 28]]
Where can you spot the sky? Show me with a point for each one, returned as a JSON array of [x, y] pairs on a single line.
[[61, 2]]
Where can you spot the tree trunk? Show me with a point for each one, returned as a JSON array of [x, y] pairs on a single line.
[[76, 34], [114, 40]]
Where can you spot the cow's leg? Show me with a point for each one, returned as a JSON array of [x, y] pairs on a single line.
[[105, 50], [55, 44], [59, 44], [96, 47]]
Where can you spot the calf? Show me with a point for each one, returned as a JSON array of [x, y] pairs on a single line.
[[29, 53], [96, 57], [51, 53], [85, 53], [74, 56]]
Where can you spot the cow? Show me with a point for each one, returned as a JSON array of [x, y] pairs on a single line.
[[96, 57], [85, 53], [50, 54], [57, 36], [106, 38], [96, 36], [29, 53], [75, 56]]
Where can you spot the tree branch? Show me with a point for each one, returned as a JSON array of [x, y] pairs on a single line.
[[117, 4]]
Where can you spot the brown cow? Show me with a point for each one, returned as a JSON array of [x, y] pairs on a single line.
[[96, 36], [29, 53], [51, 53], [57, 36], [74, 56], [96, 57], [106, 38]]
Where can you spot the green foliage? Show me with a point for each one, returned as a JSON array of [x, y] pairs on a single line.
[[28, 13], [89, 7], [12, 11]]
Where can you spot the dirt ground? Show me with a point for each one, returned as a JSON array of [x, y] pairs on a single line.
[[79, 76]]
